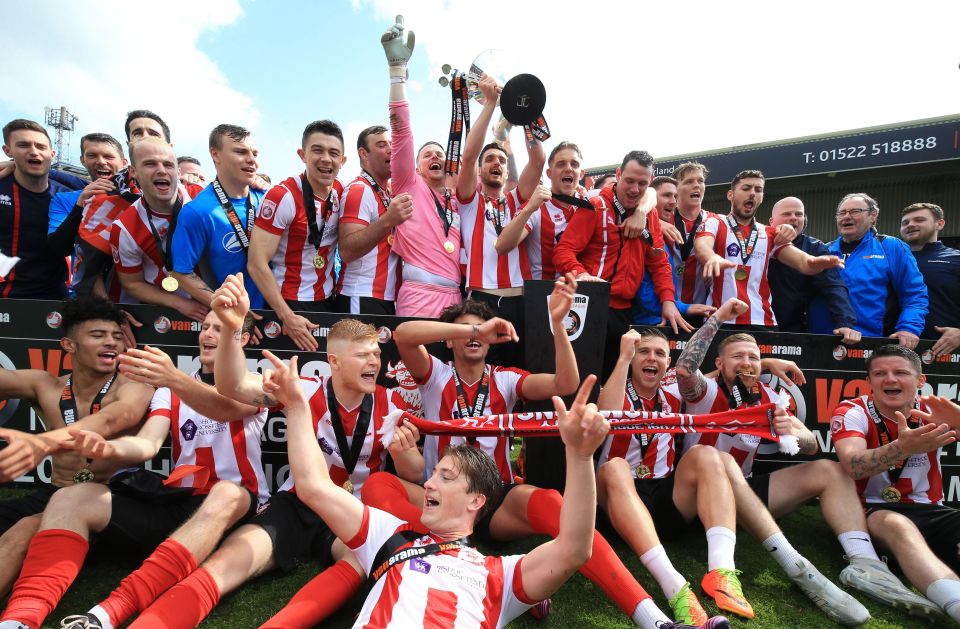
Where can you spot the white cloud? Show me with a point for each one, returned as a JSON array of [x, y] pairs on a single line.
[[700, 75], [102, 58]]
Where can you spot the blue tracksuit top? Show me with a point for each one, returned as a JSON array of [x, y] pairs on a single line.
[[880, 270]]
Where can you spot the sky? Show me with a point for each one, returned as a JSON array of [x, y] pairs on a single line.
[[670, 78]]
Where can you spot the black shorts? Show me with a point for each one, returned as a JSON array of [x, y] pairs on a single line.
[[656, 494], [144, 511], [297, 532], [481, 530], [364, 305], [939, 525], [15, 509], [760, 484]]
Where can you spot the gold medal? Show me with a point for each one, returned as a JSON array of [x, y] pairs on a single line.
[[496, 241], [348, 486], [170, 284], [448, 247], [741, 273], [319, 262], [642, 471], [681, 268], [390, 240], [891, 494], [83, 476]]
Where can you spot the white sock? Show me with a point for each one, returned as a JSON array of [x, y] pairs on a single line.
[[857, 544], [646, 615], [720, 544], [658, 564], [946, 594], [102, 616], [783, 552]]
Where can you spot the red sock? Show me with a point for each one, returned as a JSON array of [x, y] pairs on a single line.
[[604, 568], [184, 605], [385, 491], [169, 564], [52, 563], [323, 595]]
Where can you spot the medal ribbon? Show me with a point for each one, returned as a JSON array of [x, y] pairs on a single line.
[[746, 246], [445, 211], [686, 247], [483, 390], [459, 121], [243, 235], [310, 207], [537, 130], [166, 253], [349, 453], [622, 215], [68, 402], [574, 201], [739, 395], [397, 557], [637, 403], [380, 192], [500, 215], [884, 436]]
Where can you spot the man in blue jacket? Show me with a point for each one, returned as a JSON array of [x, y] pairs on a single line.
[[793, 291], [886, 288], [920, 226]]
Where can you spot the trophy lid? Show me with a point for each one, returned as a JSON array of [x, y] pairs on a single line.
[[523, 99]]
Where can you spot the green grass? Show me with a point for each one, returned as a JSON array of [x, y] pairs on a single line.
[[579, 603]]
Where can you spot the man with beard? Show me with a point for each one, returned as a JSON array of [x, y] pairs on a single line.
[[140, 237], [295, 238], [368, 218], [920, 226], [735, 251], [792, 292], [91, 397]]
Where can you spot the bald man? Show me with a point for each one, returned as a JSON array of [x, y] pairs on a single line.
[[793, 291]]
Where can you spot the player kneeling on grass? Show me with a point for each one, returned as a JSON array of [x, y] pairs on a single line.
[[890, 442], [217, 481], [763, 497], [646, 495]]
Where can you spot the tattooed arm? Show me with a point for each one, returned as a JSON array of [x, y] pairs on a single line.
[[690, 380], [194, 286]]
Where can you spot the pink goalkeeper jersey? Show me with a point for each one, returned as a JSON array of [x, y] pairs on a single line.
[[420, 240]]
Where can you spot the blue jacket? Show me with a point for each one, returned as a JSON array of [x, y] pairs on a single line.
[[647, 309], [793, 292], [884, 283]]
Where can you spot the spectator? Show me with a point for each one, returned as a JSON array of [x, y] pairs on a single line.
[[190, 170], [920, 227]]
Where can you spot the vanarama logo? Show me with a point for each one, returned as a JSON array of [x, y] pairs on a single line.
[[384, 334], [4, 317], [272, 329], [781, 350], [842, 351], [54, 319]]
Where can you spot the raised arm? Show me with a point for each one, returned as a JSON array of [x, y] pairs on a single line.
[[566, 376], [412, 337], [516, 230], [530, 177], [467, 181], [690, 380], [806, 263], [611, 395], [545, 568], [231, 303], [339, 509]]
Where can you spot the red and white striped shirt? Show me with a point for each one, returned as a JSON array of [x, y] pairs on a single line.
[[754, 290], [693, 286], [485, 268], [921, 480], [227, 450], [546, 225], [135, 248], [282, 213], [372, 455], [743, 448], [459, 587], [100, 212], [438, 390], [657, 452], [376, 273]]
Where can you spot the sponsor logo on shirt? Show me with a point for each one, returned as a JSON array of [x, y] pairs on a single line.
[[325, 446], [267, 210], [420, 565], [733, 249], [5, 199], [231, 244]]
